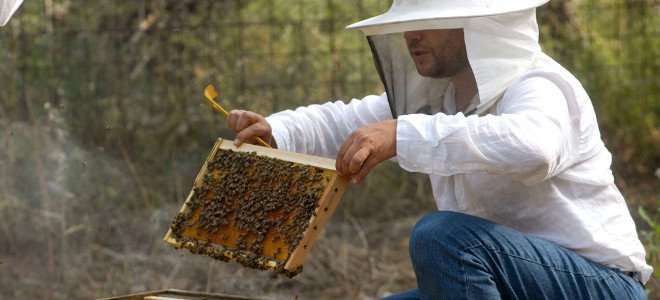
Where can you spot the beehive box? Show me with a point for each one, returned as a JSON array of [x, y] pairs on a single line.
[[174, 294], [261, 207]]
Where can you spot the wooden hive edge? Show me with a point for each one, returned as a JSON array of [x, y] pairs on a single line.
[[183, 295], [323, 212]]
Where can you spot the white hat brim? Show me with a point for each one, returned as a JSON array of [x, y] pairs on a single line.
[[402, 20]]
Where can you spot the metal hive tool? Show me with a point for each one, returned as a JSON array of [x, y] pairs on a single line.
[[261, 207]]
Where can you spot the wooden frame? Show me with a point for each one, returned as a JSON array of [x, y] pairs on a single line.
[[173, 294], [213, 245]]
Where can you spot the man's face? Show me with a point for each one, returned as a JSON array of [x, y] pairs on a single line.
[[437, 53]]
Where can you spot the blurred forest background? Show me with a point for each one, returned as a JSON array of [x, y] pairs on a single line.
[[103, 128]]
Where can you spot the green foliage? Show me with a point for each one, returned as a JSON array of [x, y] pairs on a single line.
[[129, 77], [652, 237], [614, 49]]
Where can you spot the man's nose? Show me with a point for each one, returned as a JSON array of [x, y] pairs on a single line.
[[412, 35]]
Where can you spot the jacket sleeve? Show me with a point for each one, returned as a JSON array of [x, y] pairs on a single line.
[[530, 137], [321, 129]]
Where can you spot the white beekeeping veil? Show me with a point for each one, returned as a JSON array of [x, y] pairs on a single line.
[[501, 39], [8, 8]]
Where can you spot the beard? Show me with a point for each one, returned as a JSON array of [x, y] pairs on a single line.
[[445, 66]]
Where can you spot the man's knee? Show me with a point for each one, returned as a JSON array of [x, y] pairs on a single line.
[[445, 231], [432, 232], [439, 223]]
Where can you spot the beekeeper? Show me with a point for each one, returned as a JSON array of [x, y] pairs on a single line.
[[7, 9], [527, 202]]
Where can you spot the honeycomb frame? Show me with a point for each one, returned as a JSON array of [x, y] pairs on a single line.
[[258, 206]]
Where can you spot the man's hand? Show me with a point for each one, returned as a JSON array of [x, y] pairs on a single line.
[[365, 148], [248, 126]]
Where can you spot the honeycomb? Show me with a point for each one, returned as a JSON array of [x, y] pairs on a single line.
[[261, 211]]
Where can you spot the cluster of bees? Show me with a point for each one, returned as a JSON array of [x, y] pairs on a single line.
[[250, 208]]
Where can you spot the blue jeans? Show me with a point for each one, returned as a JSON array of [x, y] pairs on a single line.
[[458, 256]]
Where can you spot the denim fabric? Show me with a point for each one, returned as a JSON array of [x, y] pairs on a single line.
[[458, 256]]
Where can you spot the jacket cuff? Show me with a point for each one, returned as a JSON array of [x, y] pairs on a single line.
[[280, 133]]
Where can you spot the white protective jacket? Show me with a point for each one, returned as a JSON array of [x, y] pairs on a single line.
[[531, 158]]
